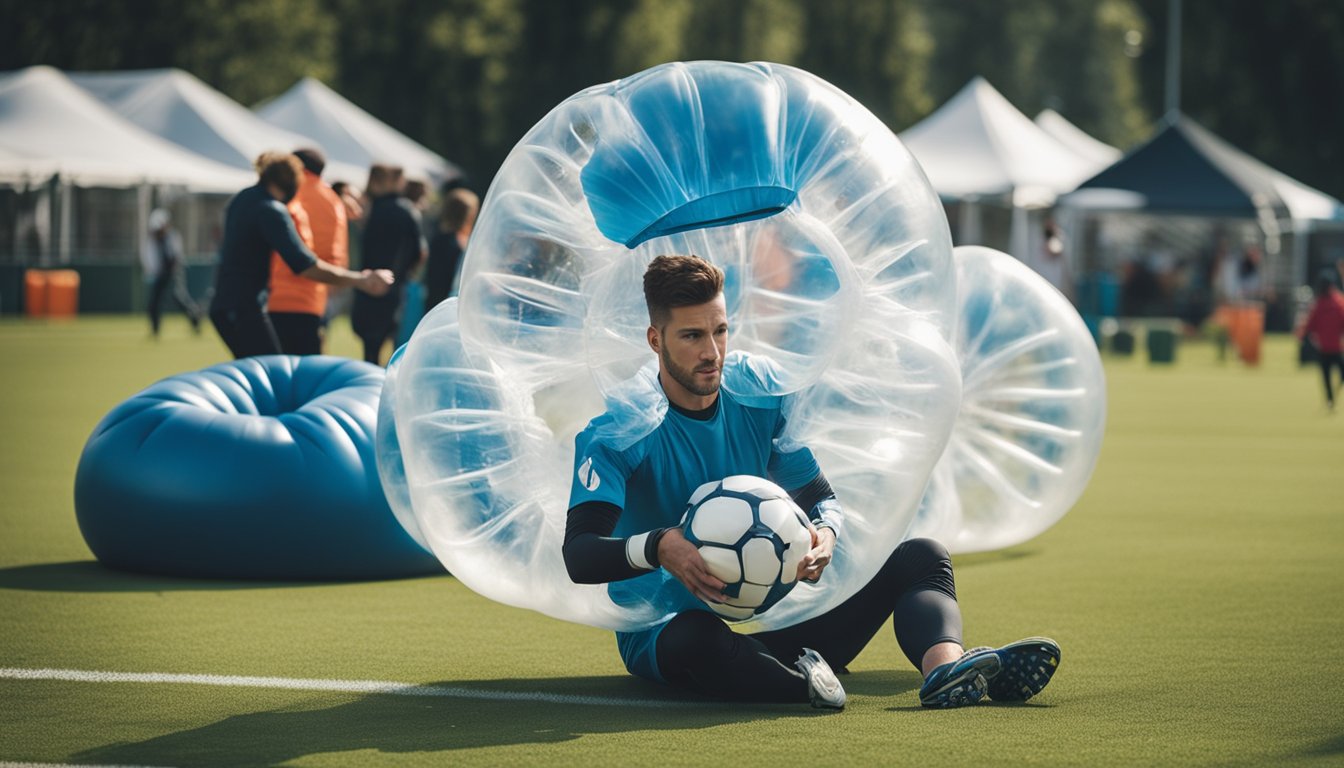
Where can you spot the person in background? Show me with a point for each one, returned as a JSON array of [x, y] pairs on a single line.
[[444, 267], [297, 305], [163, 262], [1052, 263], [392, 242], [256, 223], [418, 193], [1324, 328], [349, 195], [338, 298], [1250, 275]]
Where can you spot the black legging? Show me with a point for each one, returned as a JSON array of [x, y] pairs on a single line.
[[299, 332], [1330, 361], [698, 652], [246, 332], [168, 278]]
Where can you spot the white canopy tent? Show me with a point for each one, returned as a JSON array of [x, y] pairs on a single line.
[[57, 140], [1082, 143], [350, 135], [177, 106], [979, 147], [48, 125]]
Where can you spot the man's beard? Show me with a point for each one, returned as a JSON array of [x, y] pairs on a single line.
[[686, 377]]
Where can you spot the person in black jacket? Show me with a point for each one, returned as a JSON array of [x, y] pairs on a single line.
[[256, 223], [165, 255], [393, 242]]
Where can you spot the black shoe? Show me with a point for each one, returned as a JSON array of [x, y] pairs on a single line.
[[1025, 668]]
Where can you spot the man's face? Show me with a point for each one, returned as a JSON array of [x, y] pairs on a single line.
[[691, 346]]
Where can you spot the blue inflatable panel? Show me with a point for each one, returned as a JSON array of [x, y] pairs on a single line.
[[261, 468], [696, 147]]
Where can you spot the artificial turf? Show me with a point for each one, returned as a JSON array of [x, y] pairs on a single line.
[[1194, 589]]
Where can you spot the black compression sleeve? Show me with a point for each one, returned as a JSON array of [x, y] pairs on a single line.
[[818, 490], [592, 555]]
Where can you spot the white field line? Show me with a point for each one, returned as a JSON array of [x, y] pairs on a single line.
[[66, 765], [335, 686]]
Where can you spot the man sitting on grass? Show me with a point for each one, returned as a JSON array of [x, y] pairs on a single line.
[[625, 505]]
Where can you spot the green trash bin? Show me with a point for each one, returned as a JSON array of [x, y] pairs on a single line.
[[1122, 343], [1161, 345]]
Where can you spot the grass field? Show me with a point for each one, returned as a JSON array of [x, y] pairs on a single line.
[[1195, 589]]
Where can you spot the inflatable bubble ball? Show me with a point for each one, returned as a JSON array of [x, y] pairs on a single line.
[[261, 468], [839, 270]]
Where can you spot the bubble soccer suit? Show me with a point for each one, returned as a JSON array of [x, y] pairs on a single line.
[[952, 394]]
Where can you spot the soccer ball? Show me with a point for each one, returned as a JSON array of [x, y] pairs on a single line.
[[752, 537]]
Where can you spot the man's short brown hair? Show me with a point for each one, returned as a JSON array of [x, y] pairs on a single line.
[[458, 206], [279, 168], [679, 281], [312, 158]]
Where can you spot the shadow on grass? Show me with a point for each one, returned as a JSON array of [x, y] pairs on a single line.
[[407, 725], [92, 576], [987, 558], [881, 682], [1023, 705], [1329, 747]]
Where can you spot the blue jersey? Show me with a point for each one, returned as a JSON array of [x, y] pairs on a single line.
[[651, 478]]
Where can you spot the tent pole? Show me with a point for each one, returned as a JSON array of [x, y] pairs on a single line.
[[142, 208], [1020, 237], [1173, 83], [968, 233], [66, 214], [1301, 232]]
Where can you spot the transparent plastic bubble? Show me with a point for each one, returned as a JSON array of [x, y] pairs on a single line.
[[1032, 415], [838, 268]]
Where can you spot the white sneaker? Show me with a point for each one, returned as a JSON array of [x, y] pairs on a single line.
[[823, 688]]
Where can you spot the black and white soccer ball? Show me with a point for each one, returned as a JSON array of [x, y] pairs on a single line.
[[752, 537]]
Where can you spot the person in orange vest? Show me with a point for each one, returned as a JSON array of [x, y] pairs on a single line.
[[296, 305]]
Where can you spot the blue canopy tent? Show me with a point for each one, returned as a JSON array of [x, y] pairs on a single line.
[[1185, 171]]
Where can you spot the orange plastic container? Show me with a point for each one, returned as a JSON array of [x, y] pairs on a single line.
[[62, 293], [1255, 333], [1247, 330], [35, 293]]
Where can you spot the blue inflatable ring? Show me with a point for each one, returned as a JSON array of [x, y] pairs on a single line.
[[261, 468]]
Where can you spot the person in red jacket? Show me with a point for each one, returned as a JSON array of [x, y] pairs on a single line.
[[1325, 329]]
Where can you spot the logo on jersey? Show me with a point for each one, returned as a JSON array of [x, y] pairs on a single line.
[[588, 477]]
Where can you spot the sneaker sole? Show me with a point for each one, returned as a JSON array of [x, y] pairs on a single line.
[[967, 688], [1026, 668]]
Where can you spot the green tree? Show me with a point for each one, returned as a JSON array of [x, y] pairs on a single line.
[[653, 32], [469, 77], [878, 51], [1067, 55], [436, 71], [250, 49], [1267, 77]]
